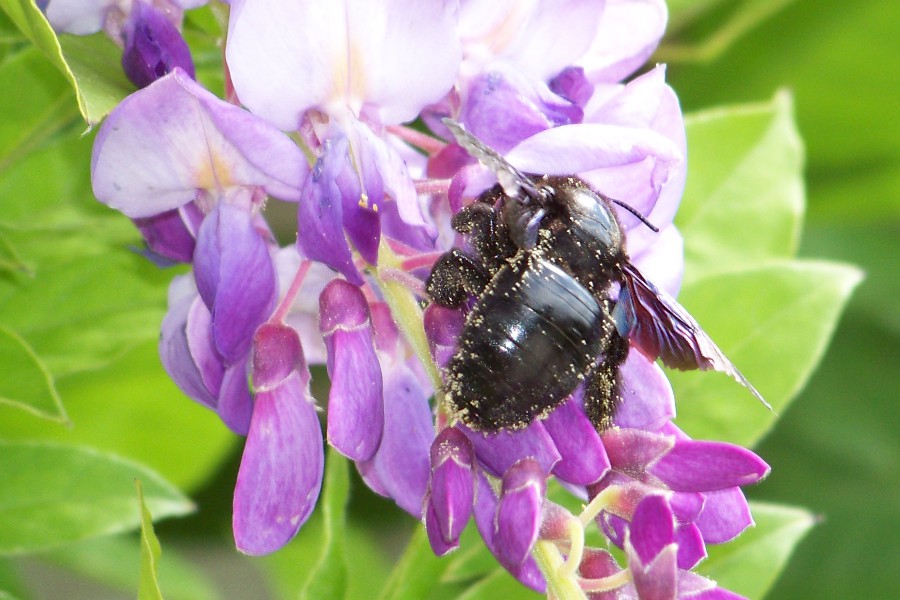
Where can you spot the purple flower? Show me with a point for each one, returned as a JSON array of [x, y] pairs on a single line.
[[153, 46]]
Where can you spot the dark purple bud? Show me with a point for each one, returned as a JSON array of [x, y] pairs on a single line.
[[584, 458], [355, 404], [442, 326], [499, 451], [281, 471], [486, 503], [276, 355], [520, 510], [168, 236], [433, 530], [701, 466], [320, 221], [153, 46], [235, 277], [572, 85], [725, 514], [452, 482]]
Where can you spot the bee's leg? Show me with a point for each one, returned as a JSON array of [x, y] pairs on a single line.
[[601, 396], [486, 234], [455, 277]]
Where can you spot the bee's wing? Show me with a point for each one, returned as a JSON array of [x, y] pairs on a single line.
[[513, 181], [661, 328]]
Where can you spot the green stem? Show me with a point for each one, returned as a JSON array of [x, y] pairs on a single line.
[[561, 585]]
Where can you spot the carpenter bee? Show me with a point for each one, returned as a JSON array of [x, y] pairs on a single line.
[[546, 257]]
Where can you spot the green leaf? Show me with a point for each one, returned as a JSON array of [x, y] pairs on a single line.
[[90, 64], [329, 578], [750, 564], [52, 495], [148, 588], [113, 560], [32, 387], [743, 202], [774, 323], [499, 584], [416, 573]]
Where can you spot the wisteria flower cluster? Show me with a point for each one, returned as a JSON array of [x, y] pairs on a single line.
[[320, 98]]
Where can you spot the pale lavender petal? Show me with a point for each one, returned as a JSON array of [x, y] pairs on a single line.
[[486, 503], [662, 261], [647, 399], [520, 511], [165, 143], [355, 404], [235, 405], [401, 464], [584, 459], [174, 349], [78, 17], [153, 46], [304, 313], [629, 33], [393, 57], [691, 549], [452, 488], [281, 470], [702, 466], [697, 587], [528, 34], [235, 277], [499, 451], [725, 515]]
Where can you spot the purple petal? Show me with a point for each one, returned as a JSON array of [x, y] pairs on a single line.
[[281, 470], [165, 143], [235, 405], [725, 515], [393, 57], [584, 459], [320, 220], [435, 536], [691, 549], [701, 466], [202, 347], [686, 505], [168, 236], [629, 33], [452, 488], [697, 587], [598, 564], [235, 277], [78, 17], [572, 85], [499, 451], [442, 326], [174, 343], [486, 503], [276, 355], [519, 513], [401, 464], [153, 46], [632, 450], [647, 399], [652, 528], [355, 403]]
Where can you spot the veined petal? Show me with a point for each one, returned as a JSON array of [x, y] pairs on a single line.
[[629, 33], [584, 458], [235, 277], [394, 57], [452, 487], [281, 470], [724, 516], [647, 398], [520, 511], [165, 143], [499, 451], [235, 405], [702, 466], [527, 34]]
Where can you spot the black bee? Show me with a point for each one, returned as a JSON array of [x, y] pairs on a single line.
[[547, 253]]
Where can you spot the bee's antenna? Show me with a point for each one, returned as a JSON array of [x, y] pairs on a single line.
[[641, 217]]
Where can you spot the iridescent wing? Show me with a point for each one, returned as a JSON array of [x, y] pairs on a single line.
[[513, 181], [661, 328]]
